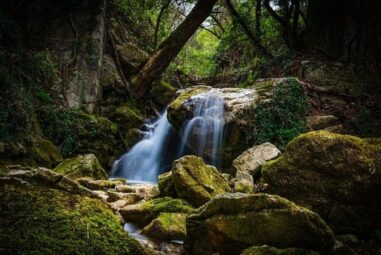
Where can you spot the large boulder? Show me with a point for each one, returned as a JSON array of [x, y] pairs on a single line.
[[37, 217], [230, 223], [337, 176], [239, 114], [82, 166], [251, 160], [197, 182]]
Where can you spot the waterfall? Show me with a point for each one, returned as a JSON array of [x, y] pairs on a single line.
[[144, 161], [160, 146], [205, 129]]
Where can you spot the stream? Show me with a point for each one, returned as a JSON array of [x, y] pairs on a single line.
[[160, 146]]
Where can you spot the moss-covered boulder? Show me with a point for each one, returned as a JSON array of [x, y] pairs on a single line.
[[197, 182], [36, 218], [82, 166], [267, 250], [230, 223], [337, 176], [166, 186], [128, 116], [145, 212], [162, 93], [167, 227], [35, 152]]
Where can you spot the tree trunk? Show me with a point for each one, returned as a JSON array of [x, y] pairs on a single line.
[[258, 15], [168, 50]]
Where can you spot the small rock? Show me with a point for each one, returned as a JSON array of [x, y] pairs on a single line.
[[130, 198], [322, 122], [171, 249], [124, 188], [251, 160], [101, 194], [118, 204], [99, 184], [167, 227]]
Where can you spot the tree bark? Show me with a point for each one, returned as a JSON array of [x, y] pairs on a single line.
[[258, 16], [168, 50]]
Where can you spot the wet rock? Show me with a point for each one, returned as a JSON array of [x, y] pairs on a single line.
[[99, 184], [124, 188], [267, 250], [128, 116], [171, 249], [251, 160], [320, 122], [145, 212], [116, 205], [239, 108], [130, 198], [162, 93], [101, 194], [82, 166], [166, 186], [337, 176], [230, 223], [167, 227], [197, 182]]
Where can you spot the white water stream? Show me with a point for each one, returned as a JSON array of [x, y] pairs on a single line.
[[145, 161]]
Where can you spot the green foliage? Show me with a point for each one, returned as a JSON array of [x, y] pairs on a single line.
[[62, 126], [281, 119], [196, 58]]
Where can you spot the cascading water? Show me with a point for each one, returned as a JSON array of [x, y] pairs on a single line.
[[143, 162], [153, 154], [205, 129]]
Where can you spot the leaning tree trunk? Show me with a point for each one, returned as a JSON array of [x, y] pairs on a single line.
[[168, 50]]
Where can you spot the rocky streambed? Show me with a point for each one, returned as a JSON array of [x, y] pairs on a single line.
[[317, 195]]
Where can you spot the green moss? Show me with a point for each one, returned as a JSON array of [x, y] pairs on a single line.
[[197, 182], [185, 95], [167, 204], [45, 152], [40, 220], [129, 116], [81, 166], [162, 93], [237, 221], [280, 119], [167, 227], [165, 184], [3, 170]]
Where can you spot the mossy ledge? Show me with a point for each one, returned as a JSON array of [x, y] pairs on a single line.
[[36, 219]]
